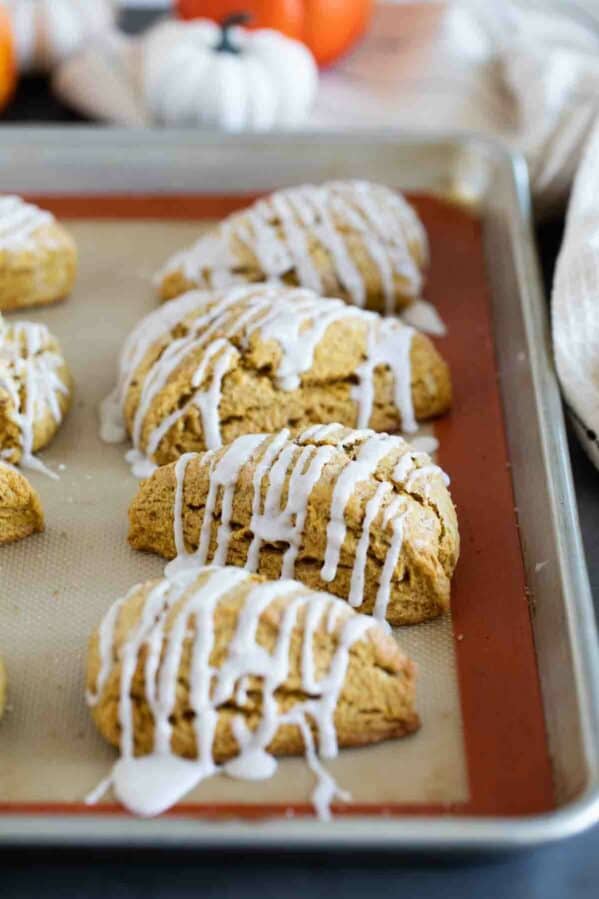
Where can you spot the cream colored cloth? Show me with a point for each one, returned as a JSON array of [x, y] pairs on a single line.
[[547, 57], [550, 62], [575, 302]]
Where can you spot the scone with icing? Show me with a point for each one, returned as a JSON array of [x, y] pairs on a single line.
[[35, 391], [38, 257], [356, 513], [217, 666], [355, 240], [20, 508], [208, 367]]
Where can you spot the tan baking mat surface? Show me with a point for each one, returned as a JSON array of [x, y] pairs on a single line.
[[56, 587]]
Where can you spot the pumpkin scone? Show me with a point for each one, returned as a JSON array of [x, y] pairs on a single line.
[[208, 367], [355, 240], [219, 666], [38, 257], [35, 391], [356, 513], [20, 508]]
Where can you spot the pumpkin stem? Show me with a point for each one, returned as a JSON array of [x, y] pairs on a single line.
[[225, 45]]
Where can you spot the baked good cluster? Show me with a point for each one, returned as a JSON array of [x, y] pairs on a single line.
[[272, 402]]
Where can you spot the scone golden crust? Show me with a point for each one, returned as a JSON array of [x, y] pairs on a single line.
[[355, 240], [20, 508], [359, 514], [38, 257], [208, 367], [179, 661], [35, 390]]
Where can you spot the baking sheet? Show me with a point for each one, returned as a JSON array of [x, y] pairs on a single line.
[[482, 747], [58, 585]]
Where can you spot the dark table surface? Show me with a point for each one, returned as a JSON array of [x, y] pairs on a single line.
[[569, 869]]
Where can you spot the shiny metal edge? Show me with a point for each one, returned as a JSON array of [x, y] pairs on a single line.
[[576, 585], [36, 150]]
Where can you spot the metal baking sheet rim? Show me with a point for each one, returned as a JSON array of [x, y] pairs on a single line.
[[38, 145]]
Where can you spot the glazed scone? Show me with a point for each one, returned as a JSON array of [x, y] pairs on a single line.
[[35, 391], [356, 513], [3, 687], [20, 508], [217, 664], [208, 367], [38, 257], [355, 240]]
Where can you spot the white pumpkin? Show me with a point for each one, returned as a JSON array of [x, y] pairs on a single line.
[[199, 74], [48, 31]]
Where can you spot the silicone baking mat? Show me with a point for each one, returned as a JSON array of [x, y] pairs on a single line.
[[482, 747]]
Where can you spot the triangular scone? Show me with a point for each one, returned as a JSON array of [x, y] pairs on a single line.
[[35, 390], [218, 664], [359, 514], [38, 257], [207, 367], [355, 240], [20, 508]]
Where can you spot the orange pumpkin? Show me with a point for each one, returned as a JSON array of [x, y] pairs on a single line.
[[8, 69], [328, 27]]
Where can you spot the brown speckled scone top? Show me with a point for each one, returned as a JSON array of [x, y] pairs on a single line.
[[38, 257], [355, 240], [35, 390], [208, 367], [359, 514], [220, 644], [20, 507]]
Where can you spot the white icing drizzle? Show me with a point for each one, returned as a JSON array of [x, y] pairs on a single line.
[[150, 784], [148, 331], [394, 515], [373, 508], [371, 453], [319, 433], [141, 466], [180, 471], [386, 224], [18, 223], [276, 524], [241, 693], [262, 469], [297, 321], [217, 328], [298, 466], [30, 375], [408, 473], [425, 443], [423, 316], [295, 236], [207, 401], [223, 477], [391, 347]]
